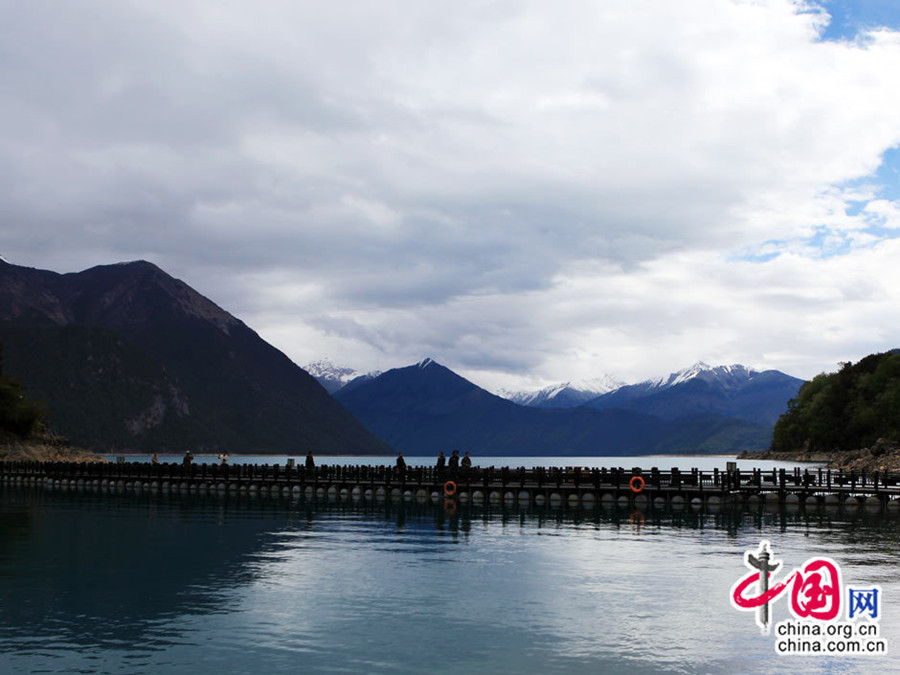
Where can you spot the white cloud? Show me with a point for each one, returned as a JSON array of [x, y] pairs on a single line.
[[512, 188]]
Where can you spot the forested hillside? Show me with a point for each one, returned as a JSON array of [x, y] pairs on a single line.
[[849, 409]]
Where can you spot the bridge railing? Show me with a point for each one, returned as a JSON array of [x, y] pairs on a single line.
[[759, 480]]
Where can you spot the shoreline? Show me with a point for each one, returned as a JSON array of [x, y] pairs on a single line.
[[883, 455], [43, 451], [394, 455]]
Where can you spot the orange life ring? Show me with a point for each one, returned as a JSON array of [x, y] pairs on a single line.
[[640, 484], [449, 488]]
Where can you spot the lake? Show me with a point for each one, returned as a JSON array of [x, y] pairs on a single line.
[[119, 581]]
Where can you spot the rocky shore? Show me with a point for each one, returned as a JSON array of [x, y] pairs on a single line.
[[43, 449], [883, 455]]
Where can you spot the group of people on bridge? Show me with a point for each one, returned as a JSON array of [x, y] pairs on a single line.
[[451, 466], [454, 462]]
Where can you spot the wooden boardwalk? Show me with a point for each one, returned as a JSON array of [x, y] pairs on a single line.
[[571, 485]]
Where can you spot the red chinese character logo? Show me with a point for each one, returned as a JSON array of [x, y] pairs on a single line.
[[817, 591], [815, 587]]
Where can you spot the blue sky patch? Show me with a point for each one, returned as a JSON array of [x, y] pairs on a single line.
[[888, 175], [850, 17]]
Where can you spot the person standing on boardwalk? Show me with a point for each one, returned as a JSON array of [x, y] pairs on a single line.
[[453, 463], [439, 467], [154, 459], [401, 464], [310, 462], [186, 463], [466, 462]]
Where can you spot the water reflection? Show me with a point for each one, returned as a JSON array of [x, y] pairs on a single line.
[[140, 582], [103, 570]]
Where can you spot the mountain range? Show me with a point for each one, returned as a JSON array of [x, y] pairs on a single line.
[[127, 357], [730, 391], [424, 408]]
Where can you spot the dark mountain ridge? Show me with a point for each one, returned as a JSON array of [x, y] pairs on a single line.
[[179, 371]]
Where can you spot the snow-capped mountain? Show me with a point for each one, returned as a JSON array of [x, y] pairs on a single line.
[[566, 395], [334, 377], [734, 391], [426, 407], [724, 376]]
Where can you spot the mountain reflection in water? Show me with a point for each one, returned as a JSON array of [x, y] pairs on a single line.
[[131, 583]]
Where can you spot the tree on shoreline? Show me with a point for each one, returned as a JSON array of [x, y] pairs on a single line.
[[19, 415], [846, 410]]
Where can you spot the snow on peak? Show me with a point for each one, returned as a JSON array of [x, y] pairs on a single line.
[[325, 368], [424, 363], [690, 373], [598, 385], [731, 374], [334, 377], [574, 392]]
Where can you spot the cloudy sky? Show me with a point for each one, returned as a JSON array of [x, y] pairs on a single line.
[[525, 191]]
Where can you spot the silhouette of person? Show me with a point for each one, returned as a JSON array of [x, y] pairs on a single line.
[[441, 461], [401, 463], [467, 462], [310, 462], [154, 459], [453, 462]]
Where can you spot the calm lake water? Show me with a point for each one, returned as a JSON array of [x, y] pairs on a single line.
[[132, 582]]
